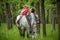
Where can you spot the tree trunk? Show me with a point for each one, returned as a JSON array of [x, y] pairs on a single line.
[[14, 12], [0, 19], [32, 4], [43, 17], [3, 14], [47, 21], [1, 0], [58, 19], [38, 12], [26, 0], [8, 16], [53, 19]]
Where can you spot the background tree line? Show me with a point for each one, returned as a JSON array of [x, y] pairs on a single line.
[[48, 11]]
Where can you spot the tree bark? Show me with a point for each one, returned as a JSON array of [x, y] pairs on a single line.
[[2, 13], [43, 17], [38, 12], [32, 4], [53, 19], [14, 11], [0, 19], [47, 21], [8, 16], [26, 0], [58, 18]]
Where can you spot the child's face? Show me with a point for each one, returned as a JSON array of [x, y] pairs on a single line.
[[30, 10]]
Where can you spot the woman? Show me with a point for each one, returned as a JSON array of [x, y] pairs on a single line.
[[23, 12], [33, 21], [33, 29]]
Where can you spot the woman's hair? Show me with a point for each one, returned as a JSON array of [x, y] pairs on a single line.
[[32, 10]]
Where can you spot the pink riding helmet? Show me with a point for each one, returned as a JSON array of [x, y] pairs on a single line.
[[25, 11]]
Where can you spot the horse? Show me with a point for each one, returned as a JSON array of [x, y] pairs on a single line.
[[24, 25], [38, 23], [34, 30]]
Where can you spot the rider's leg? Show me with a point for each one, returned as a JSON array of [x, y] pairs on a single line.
[[20, 18], [18, 22]]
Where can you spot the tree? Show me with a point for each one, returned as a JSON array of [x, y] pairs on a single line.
[[58, 17], [32, 4], [43, 17], [26, 0], [53, 14], [38, 12], [47, 19], [8, 16], [3, 13], [0, 19], [14, 12], [53, 19]]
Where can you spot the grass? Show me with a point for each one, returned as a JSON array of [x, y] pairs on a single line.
[[13, 34]]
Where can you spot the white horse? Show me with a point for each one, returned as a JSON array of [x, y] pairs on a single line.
[[24, 25], [34, 25]]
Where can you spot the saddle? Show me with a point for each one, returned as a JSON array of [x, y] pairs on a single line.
[[28, 19]]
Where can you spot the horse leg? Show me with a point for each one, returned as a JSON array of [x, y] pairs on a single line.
[[35, 31], [20, 31], [38, 29], [28, 32], [23, 32]]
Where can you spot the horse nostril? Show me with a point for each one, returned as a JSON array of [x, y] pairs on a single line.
[[33, 32]]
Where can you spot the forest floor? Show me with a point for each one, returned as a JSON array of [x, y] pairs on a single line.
[[13, 34]]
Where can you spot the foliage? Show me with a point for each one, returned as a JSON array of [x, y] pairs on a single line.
[[15, 8], [13, 34]]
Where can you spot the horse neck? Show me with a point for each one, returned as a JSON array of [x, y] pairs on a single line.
[[23, 18]]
